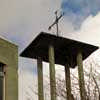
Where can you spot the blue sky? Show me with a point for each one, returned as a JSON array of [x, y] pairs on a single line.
[[79, 10]]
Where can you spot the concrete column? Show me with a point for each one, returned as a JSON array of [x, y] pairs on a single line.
[[40, 79], [52, 73], [81, 76], [68, 82]]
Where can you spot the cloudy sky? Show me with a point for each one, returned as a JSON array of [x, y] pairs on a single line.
[[22, 20]]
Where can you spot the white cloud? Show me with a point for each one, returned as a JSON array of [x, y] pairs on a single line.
[[90, 30], [21, 20]]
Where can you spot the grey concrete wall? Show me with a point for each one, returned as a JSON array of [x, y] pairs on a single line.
[[9, 56]]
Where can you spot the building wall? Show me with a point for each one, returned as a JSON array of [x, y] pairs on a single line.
[[9, 56]]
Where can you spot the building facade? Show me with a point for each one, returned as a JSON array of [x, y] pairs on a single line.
[[8, 70]]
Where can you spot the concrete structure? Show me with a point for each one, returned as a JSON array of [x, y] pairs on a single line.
[[59, 50], [8, 70], [40, 78]]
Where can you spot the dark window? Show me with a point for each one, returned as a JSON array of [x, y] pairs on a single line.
[[1, 81]]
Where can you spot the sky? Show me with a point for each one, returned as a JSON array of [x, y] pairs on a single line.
[[22, 20], [79, 10]]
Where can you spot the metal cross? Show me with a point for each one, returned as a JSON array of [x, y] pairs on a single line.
[[56, 21]]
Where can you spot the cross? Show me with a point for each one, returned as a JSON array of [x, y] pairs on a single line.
[[56, 21]]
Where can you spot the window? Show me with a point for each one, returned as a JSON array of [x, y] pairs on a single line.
[[2, 81]]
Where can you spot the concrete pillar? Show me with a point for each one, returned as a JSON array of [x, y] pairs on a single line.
[[68, 82], [40, 79], [81, 76], [52, 73]]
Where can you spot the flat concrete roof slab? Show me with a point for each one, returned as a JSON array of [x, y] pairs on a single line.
[[65, 49]]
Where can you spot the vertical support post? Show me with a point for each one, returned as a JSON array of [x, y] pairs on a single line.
[[40, 79], [68, 82], [81, 76], [52, 73]]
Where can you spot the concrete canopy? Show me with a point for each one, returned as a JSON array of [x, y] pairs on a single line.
[[65, 49]]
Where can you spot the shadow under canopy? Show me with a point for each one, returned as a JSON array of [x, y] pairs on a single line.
[[65, 49]]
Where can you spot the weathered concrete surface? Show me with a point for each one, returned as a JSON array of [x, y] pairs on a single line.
[[52, 73], [81, 76], [40, 79], [68, 82], [9, 56]]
